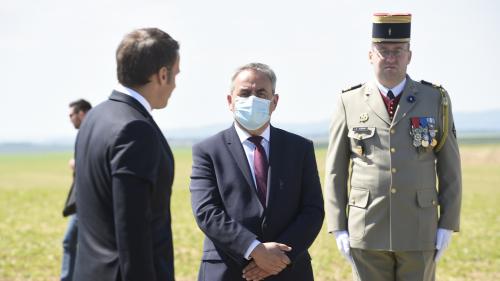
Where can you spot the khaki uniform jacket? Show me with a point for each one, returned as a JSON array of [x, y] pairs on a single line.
[[395, 190]]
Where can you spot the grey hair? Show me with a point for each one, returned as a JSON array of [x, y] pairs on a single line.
[[258, 67]]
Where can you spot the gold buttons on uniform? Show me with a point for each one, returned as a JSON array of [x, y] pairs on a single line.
[[434, 203], [393, 131], [393, 190], [393, 149], [393, 170]]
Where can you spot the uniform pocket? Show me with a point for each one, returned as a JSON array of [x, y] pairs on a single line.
[[358, 201], [361, 133], [361, 140], [359, 197], [427, 200]]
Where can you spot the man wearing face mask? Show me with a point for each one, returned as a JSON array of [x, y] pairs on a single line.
[[255, 190], [393, 178]]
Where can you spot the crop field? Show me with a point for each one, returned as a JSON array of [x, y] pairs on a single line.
[[33, 188]]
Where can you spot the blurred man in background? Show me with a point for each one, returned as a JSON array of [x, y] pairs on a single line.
[[77, 111]]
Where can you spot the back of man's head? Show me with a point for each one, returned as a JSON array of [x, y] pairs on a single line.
[[142, 53]]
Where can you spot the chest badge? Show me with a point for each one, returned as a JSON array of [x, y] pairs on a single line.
[[423, 130], [363, 117]]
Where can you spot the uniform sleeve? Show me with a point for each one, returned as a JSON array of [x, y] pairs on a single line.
[[337, 171], [133, 165], [209, 211], [449, 179]]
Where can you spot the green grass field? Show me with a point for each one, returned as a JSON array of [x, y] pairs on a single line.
[[33, 188]]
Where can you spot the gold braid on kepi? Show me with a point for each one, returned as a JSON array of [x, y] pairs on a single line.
[[444, 108], [391, 28]]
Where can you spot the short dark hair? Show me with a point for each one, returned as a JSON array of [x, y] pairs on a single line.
[[80, 105], [142, 53]]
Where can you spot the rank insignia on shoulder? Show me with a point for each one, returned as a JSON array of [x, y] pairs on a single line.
[[431, 84], [352, 88]]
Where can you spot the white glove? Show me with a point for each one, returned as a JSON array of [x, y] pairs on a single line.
[[342, 237], [443, 239]]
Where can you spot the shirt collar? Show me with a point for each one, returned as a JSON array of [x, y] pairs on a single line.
[[130, 92], [244, 135], [398, 89]]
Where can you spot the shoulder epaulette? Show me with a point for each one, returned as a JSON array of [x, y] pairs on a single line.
[[431, 84], [444, 113], [352, 88]]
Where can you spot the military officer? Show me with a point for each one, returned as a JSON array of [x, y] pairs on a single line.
[[393, 176]]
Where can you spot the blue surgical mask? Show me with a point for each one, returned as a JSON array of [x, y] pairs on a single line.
[[252, 112]]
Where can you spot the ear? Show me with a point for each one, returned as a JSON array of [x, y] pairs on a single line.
[[409, 56], [274, 103], [163, 75], [230, 104]]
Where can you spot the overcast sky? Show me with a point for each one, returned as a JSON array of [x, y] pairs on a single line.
[[54, 52]]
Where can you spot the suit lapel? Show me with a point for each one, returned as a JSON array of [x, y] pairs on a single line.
[[404, 105], [235, 147], [376, 103]]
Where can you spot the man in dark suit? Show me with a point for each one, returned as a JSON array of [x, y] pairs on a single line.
[[255, 190], [125, 169]]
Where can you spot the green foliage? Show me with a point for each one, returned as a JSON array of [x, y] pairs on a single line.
[[33, 188]]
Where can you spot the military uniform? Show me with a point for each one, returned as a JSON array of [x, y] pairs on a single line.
[[393, 201], [403, 173]]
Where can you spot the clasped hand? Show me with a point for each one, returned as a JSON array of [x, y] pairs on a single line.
[[267, 259]]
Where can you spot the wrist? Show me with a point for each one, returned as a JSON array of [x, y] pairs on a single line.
[[256, 251]]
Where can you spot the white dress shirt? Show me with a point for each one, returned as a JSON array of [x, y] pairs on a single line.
[[249, 148], [396, 91], [130, 92]]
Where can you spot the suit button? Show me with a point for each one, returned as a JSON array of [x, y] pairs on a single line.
[[393, 170], [393, 150], [264, 225], [393, 131], [434, 203], [393, 190]]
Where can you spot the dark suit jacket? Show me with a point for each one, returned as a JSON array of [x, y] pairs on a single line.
[[228, 211], [124, 175], [70, 205]]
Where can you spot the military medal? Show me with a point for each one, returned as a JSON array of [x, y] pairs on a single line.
[[416, 131], [363, 117], [434, 142], [432, 131], [425, 143], [432, 127], [425, 131]]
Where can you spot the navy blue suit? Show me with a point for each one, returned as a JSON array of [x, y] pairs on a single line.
[[228, 211], [124, 175]]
